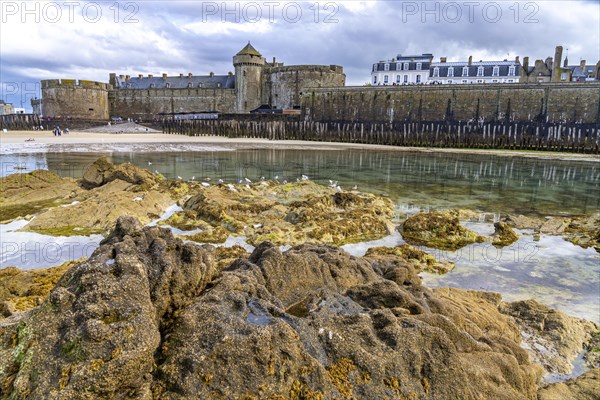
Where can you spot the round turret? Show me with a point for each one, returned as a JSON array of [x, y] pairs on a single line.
[[249, 64]]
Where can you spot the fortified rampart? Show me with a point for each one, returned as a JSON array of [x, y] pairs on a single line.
[[283, 85], [549, 102], [146, 104], [75, 99]]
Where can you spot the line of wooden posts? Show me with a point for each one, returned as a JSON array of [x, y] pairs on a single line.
[[583, 138]]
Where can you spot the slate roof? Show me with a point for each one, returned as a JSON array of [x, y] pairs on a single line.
[[488, 69], [581, 73], [176, 82], [397, 66], [248, 50]]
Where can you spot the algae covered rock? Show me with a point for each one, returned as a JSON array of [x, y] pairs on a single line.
[[584, 231], [584, 387], [99, 209], [421, 260], [27, 194], [102, 171], [21, 290], [149, 316], [294, 213], [438, 229], [554, 338], [504, 235]]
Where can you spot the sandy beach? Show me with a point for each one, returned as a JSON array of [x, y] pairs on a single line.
[[9, 139]]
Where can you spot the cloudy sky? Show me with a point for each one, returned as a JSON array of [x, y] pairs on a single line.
[[88, 40]]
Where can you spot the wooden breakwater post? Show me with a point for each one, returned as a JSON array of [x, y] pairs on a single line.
[[512, 135]]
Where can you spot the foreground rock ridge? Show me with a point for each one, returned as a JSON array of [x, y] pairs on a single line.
[[149, 316]]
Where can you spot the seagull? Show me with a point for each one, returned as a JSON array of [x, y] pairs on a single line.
[[240, 181], [333, 184], [339, 189], [304, 177], [284, 182], [138, 198], [178, 177], [221, 181], [231, 187], [247, 180], [276, 177], [156, 172], [247, 186], [207, 179], [193, 177], [262, 178], [205, 184], [149, 163], [355, 187]]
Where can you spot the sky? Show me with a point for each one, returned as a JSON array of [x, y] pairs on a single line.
[[88, 40]]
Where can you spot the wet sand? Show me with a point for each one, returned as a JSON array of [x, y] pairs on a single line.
[[90, 138]]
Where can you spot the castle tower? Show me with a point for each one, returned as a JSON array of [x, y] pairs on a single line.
[[249, 64]]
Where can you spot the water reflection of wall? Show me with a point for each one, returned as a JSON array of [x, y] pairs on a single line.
[[489, 183]]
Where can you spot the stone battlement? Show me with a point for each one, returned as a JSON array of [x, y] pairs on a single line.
[[74, 83]]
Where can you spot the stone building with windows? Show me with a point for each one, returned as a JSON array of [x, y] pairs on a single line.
[[481, 72], [254, 83], [402, 70]]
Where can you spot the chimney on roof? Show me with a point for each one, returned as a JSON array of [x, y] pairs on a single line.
[[230, 73], [274, 61], [122, 77], [526, 64], [127, 77], [150, 76], [140, 76], [180, 75], [164, 76], [470, 60], [190, 75], [443, 59], [582, 65], [212, 74], [517, 60]]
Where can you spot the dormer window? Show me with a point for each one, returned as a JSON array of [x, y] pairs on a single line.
[[386, 67], [496, 71], [167, 85], [436, 72], [190, 84], [200, 85], [465, 71], [419, 66], [405, 66], [451, 71], [511, 70], [152, 86], [219, 84], [480, 71]]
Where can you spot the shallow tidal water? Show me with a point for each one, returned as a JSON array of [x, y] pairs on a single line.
[[551, 270]]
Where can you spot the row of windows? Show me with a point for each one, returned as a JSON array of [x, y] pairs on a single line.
[[405, 66], [480, 70], [386, 79]]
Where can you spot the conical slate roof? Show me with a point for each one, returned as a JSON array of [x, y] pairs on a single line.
[[248, 51]]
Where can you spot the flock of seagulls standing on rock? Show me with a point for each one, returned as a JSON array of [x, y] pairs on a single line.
[[247, 181]]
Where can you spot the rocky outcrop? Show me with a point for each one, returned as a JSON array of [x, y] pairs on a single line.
[[102, 171], [21, 290], [22, 195], [149, 316], [584, 387], [554, 338], [503, 235], [99, 208], [420, 260], [288, 214], [438, 229], [583, 231]]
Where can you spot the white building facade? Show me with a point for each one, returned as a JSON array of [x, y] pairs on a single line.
[[418, 70], [402, 70], [482, 72]]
